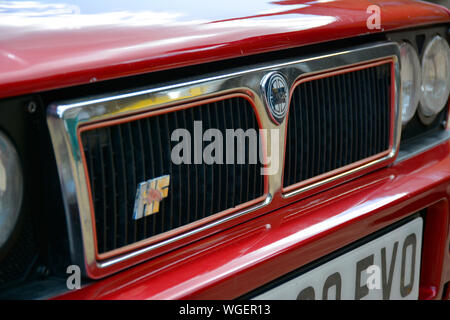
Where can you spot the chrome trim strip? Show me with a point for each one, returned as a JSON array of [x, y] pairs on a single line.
[[65, 118]]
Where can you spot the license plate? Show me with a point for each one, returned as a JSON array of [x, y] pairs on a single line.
[[385, 268]]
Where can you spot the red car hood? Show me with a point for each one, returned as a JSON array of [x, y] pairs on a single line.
[[45, 46]]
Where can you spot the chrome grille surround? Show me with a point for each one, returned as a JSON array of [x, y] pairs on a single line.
[[64, 120], [121, 153]]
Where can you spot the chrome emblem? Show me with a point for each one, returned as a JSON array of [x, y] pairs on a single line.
[[276, 93], [148, 196]]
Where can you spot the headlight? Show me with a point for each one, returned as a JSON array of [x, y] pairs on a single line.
[[410, 77], [435, 78], [11, 188]]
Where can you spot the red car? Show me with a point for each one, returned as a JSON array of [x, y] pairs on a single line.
[[199, 150]]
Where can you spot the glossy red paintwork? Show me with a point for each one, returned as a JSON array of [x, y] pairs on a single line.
[[43, 52], [98, 40], [235, 261]]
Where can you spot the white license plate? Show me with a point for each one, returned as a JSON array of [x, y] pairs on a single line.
[[385, 268]]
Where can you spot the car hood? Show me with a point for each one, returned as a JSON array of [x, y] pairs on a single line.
[[46, 45]]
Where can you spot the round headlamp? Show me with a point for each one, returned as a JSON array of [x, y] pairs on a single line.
[[11, 188], [435, 78], [411, 80]]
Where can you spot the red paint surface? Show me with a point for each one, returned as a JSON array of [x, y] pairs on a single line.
[[235, 261], [104, 41], [53, 51]]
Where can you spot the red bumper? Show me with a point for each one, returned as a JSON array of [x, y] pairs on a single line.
[[241, 259]]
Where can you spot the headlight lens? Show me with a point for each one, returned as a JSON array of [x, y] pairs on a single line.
[[411, 79], [11, 188], [435, 77]]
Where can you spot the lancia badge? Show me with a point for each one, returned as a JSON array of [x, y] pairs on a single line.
[[148, 196], [276, 93]]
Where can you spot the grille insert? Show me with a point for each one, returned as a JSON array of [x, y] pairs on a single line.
[[336, 121], [120, 156]]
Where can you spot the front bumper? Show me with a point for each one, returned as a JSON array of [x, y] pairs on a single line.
[[236, 261]]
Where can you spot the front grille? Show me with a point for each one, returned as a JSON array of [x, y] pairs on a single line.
[[336, 121], [121, 156]]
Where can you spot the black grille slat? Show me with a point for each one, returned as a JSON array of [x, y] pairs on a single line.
[[208, 118], [322, 120], [120, 236], [381, 92], [225, 166], [334, 124], [348, 94], [329, 134], [375, 111], [362, 120], [151, 223], [194, 178], [106, 158], [104, 206], [181, 182], [200, 114], [314, 132], [305, 136], [356, 119], [156, 134], [120, 156], [336, 121], [113, 176], [386, 114], [367, 122], [167, 167], [246, 181], [131, 172], [371, 118], [140, 168], [239, 169], [230, 173], [255, 167], [379, 111], [342, 123]]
